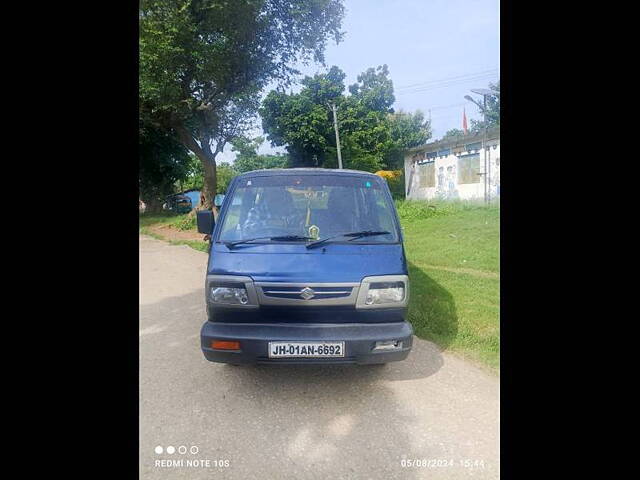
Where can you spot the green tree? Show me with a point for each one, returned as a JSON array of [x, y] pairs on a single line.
[[247, 157], [303, 122], [203, 64], [162, 162], [493, 111], [407, 130], [226, 173], [194, 179], [453, 133], [363, 120]]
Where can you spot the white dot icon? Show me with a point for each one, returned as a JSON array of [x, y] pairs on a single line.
[[194, 450], [182, 449], [171, 450], [158, 449]]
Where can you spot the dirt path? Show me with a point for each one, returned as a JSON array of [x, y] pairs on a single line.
[[170, 233]]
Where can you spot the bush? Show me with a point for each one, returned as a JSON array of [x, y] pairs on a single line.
[[415, 209], [185, 222], [395, 180]]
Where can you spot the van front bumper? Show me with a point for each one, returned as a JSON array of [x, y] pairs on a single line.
[[359, 341]]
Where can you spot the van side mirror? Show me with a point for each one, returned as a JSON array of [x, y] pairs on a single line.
[[218, 199], [205, 221]]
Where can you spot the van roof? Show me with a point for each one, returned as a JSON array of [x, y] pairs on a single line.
[[304, 171]]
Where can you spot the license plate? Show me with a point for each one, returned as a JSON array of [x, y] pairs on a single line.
[[306, 349]]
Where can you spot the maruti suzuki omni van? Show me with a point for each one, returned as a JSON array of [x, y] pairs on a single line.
[[306, 266]]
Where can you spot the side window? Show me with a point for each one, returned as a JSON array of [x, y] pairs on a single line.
[[468, 169], [243, 200], [427, 175]]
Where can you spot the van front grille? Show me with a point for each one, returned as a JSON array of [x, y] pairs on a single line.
[[307, 294], [297, 292]]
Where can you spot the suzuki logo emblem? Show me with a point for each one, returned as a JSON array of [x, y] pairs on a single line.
[[307, 293]]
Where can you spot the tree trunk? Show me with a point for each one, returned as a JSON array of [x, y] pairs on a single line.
[[154, 205], [208, 160], [210, 182]]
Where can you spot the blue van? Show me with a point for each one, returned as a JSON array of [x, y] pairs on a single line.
[[306, 266]]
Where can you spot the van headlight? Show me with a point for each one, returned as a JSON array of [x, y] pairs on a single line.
[[230, 291], [229, 295], [383, 291]]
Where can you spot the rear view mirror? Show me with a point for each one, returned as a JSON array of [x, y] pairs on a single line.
[[218, 199], [205, 221]]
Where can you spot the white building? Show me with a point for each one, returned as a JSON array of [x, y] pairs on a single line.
[[454, 168]]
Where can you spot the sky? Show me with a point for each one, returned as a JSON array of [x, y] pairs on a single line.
[[436, 51]]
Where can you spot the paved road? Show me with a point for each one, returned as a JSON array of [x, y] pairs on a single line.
[[277, 422]]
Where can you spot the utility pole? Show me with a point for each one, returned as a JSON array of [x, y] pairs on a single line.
[[484, 147], [335, 125], [487, 153], [487, 167]]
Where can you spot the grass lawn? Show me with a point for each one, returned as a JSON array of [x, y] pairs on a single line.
[[454, 265], [180, 222], [179, 228]]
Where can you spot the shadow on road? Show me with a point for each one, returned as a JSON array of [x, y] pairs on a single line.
[[302, 421], [336, 421]]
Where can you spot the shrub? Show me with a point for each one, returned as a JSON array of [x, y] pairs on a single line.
[[415, 209], [395, 180], [185, 222]]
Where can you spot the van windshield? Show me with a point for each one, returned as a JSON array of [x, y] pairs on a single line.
[[316, 206]]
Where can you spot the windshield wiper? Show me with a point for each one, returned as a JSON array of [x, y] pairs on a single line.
[[355, 235], [281, 238]]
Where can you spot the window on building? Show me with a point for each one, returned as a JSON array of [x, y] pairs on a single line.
[[427, 175], [468, 169]]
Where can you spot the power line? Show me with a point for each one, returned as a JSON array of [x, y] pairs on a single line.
[[452, 115], [450, 84], [435, 87], [446, 107], [446, 79]]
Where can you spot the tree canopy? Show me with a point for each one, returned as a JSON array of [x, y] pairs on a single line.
[[203, 64], [453, 133], [248, 158], [371, 135], [162, 162], [195, 176], [407, 130], [493, 111]]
